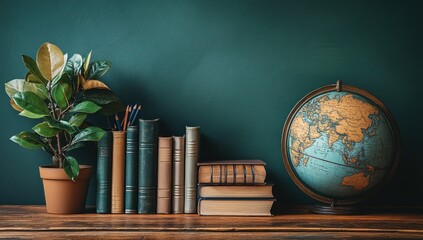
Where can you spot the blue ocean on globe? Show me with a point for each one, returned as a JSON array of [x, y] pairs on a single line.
[[340, 145]]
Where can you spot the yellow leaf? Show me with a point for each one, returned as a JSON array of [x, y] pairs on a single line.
[[14, 106], [50, 60], [87, 64], [32, 78], [94, 84]]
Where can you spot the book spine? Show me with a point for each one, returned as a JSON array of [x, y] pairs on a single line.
[[104, 173], [192, 148], [164, 175], [147, 173], [228, 174], [131, 170], [178, 174], [118, 172]]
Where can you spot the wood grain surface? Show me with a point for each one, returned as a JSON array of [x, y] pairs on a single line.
[[32, 222]]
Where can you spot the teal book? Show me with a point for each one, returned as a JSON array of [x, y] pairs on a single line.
[[104, 173], [131, 170], [147, 165]]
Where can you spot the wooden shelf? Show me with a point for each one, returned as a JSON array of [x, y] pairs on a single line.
[[32, 222]]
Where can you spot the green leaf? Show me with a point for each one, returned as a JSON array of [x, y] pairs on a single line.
[[28, 140], [112, 108], [45, 130], [71, 167], [31, 65], [62, 79], [50, 60], [76, 145], [27, 114], [19, 85], [86, 107], [61, 93], [98, 69], [62, 125], [74, 64], [77, 119], [100, 96], [31, 103], [89, 134]]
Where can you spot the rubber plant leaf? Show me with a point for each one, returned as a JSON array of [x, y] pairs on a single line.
[[89, 134], [100, 96], [61, 93], [31, 65], [31, 102], [77, 119], [71, 167], [50, 60], [45, 130], [73, 65], [91, 84], [19, 85], [86, 107], [28, 140], [98, 69]]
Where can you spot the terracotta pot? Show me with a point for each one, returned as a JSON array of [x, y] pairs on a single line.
[[61, 193]]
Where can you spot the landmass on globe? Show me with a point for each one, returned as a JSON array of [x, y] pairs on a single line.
[[340, 144]]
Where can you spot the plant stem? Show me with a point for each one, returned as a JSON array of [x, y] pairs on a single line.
[[59, 149]]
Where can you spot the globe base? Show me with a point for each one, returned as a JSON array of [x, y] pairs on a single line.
[[337, 210]]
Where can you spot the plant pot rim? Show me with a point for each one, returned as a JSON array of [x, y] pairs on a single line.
[[81, 166], [53, 172]]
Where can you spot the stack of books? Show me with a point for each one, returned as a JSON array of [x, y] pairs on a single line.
[[140, 172], [235, 187]]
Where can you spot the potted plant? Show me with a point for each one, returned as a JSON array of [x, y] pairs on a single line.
[[61, 93]]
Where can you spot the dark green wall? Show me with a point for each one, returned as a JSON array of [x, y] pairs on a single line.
[[235, 68]]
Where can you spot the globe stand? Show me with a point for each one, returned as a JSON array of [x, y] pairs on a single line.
[[337, 210]]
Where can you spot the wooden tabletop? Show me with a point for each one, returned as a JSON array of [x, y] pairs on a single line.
[[32, 222]]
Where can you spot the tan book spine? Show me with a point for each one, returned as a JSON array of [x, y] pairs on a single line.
[[164, 175], [192, 148], [178, 181], [118, 172]]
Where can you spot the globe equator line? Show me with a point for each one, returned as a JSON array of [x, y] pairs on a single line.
[[358, 168]]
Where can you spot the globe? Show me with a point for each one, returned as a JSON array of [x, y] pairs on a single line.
[[340, 144]]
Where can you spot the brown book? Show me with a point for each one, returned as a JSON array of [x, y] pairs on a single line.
[[178, 174], [118, 172], [235, 191], [164, 175], [232, 172], [235, 207]]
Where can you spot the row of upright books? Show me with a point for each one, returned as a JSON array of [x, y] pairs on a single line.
[[140, 172], [235, 187]]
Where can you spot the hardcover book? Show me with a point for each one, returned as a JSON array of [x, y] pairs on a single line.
[[104, 173], [192, 147], [147, 174], [232, 172], [118, 172], [178, 175], [131, 170], [235, 207], [235, 191], [164, 176]]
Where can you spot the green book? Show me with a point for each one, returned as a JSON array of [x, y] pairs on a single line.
[[104, 173], [147, 174], [131, 170]]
